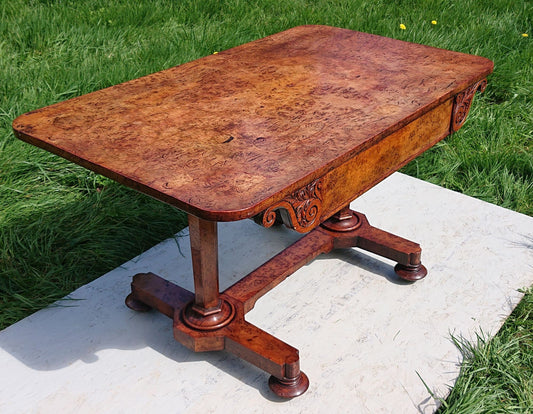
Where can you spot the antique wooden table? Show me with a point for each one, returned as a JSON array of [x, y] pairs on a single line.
[[290, 128]]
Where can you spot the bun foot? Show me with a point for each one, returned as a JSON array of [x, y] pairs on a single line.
[[289, 387], [136, 305], [411, 273]]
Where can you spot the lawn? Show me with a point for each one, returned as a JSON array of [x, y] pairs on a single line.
[[62, 226]]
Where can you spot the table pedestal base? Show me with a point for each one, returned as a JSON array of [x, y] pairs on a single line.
[[231, 332]]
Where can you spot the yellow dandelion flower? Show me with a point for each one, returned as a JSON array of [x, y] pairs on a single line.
[[433, 22], [525, 35], [402, 26], [215, 53]]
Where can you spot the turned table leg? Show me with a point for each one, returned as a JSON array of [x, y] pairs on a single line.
[[208, 311]]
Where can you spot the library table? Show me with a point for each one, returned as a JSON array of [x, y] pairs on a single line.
[[286, 129]]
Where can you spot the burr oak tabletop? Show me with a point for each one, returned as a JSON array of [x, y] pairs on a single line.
[[226, 136]]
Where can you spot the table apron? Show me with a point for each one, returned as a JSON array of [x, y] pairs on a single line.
[[351, 179]]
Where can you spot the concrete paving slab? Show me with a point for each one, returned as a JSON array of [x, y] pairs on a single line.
[[366, 339]]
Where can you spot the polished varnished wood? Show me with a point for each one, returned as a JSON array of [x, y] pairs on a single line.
[[287, 129], [346, 229], [208, 311], [229, 135]]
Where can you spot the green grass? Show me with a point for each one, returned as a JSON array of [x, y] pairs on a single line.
[[61, 226], [496, 373]]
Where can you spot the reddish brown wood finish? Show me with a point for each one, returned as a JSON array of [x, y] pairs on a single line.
[[230, 135], [288, 128], [204, 248], [208, 311], [245, 340], [351, 229]]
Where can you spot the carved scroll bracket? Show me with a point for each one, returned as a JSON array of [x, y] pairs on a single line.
[[300, 211], [462, 103]]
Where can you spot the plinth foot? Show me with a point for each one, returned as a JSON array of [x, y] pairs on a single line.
[[289, 387], [411, 273], [352, 229], [344, 221], [211, 321], [136, 305]]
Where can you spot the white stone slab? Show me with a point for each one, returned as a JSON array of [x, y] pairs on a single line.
[[365, 338]]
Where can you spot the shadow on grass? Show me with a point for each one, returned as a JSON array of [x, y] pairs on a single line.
[[60, 243]]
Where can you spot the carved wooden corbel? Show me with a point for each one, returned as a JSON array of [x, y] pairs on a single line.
[[300, 211], [462, 103]]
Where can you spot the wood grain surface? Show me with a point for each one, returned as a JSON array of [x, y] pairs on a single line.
[[229, 135]]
